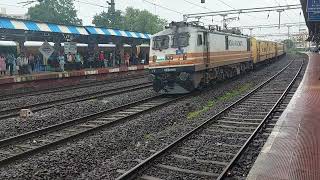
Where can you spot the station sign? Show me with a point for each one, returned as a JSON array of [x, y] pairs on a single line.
[[46, 50], [313, 6], [313, 10], [313, 16], [70, 47]]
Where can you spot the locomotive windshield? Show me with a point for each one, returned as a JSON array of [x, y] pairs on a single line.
[[181, 40], [161, 42]]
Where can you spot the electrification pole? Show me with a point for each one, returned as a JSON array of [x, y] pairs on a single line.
[[112, 6], [280, 11], [251, 31], [289, 31], [112, 10]]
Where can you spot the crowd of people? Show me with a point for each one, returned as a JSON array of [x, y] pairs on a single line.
[[22, 64], [10, 64], [69, 61]]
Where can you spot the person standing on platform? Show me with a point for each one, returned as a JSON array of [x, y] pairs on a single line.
[[91, 61], [32, 62], [61, 61], [11, 61], [2, 65], [19, 67], [101, 59], [37, 63], [127, 59], [70, 61], [25, 64], [78, 61]]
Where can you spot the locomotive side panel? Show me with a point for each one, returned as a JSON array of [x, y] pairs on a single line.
[[228, 49]]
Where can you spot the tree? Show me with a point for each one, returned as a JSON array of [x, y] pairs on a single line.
[[55, 11], [289, 43], [132, 20], [143, 21], [105, 19]]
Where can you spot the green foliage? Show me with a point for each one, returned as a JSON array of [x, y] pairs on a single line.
[[55, 11], [104, 19], [143, 21], [132, 20], [204, 109], [227, 96], [289, 44]]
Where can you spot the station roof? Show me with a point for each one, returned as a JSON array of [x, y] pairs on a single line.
[[35, 26], [7, 23], [114, 32]]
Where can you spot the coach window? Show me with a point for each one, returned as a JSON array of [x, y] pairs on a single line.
[[227, 42], [200, 42]]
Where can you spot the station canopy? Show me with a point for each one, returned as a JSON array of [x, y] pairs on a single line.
[[14, 29], [6, 23], [114, 32]]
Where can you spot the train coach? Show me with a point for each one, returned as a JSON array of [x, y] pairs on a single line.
[[186, 56]]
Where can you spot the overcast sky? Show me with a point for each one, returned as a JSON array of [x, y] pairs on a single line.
[[86, 12]]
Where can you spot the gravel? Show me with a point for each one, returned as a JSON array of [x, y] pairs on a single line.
[[107, 153], [14, 126], [24, 101]]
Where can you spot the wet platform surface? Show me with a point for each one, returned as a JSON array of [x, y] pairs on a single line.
[[293, 148]]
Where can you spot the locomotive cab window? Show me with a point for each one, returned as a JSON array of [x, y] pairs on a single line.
[[181, 40], [160, 42], [200, 42]]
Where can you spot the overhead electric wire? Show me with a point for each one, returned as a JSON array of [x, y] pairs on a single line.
[[284, 11], [203, 8], [197, 5], [235, 8], [26, 3], [4, 4], [92, 4], [163, 7]]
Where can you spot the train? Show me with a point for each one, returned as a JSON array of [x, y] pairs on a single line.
[[187, 56]]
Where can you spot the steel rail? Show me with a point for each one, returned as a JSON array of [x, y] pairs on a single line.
[[62, 89], [7, 113], [62, 126], [224, 174], [132, 173]]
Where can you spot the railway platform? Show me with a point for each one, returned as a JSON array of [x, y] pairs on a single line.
[[293, 149], [46, 80]]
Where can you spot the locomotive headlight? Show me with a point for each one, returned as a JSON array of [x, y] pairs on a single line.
[[184, 76], [185, 56], [155, 58], [171, 57]]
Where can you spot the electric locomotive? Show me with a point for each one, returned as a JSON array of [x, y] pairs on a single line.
[[187, 56]]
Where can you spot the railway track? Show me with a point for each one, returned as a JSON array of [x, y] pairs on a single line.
[[241, 167], [210, 150], [62, 89], [21, 146], [12, 112]]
